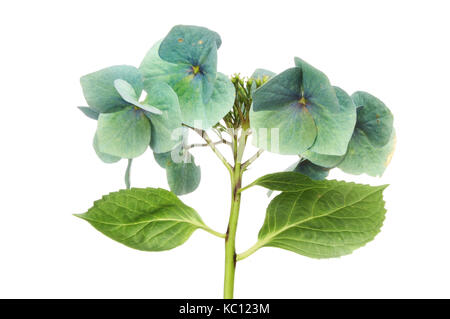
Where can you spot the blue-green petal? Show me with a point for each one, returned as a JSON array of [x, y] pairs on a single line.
[[183, 176], [106, 158], [100, 93], [304, 90], [195, 47], [194, 110], [124, 134], [166, 127], [364, 157], [312, 170], [374, 118], [89, 112], [128, 93]]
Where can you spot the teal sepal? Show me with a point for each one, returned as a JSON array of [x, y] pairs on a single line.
[[282, 90], [194, 111], [307, 114], [99, 90], [188, 44], [312, 170], [167, 130], [347, 109], [374, 118], [153, 68], [329, 161], [89, 112], [183, 175], [363, 157], [162, 158], [128, 93], [332, 109], [125, 133], [106, 158], [259, 74], [195, 47], [285, 131]]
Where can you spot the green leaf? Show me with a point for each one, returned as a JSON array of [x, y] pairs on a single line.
[[195, 47], [363, 157], [166, 128], [312, 170], [124, 134], [127, 92], [307, 113], [195, 112], [146, 219], [286, 182], [183, 175], [106, 158], [374, 118], [89, 112], [99, 90], [325, 222]]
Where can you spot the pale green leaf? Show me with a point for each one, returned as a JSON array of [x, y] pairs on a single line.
[[146, 219]]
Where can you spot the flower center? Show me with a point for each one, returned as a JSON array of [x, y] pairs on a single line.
[[302, 102], [196, 69]]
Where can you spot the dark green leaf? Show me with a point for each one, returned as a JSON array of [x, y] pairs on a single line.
[[324, 222], [286, 182]]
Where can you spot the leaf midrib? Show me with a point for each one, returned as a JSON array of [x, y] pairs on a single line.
[[274, 234], [142, 222]]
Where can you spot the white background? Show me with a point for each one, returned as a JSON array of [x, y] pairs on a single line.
[[397, 50]]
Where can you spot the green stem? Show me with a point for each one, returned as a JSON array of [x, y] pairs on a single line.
[[230, 239], [127, 174]]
